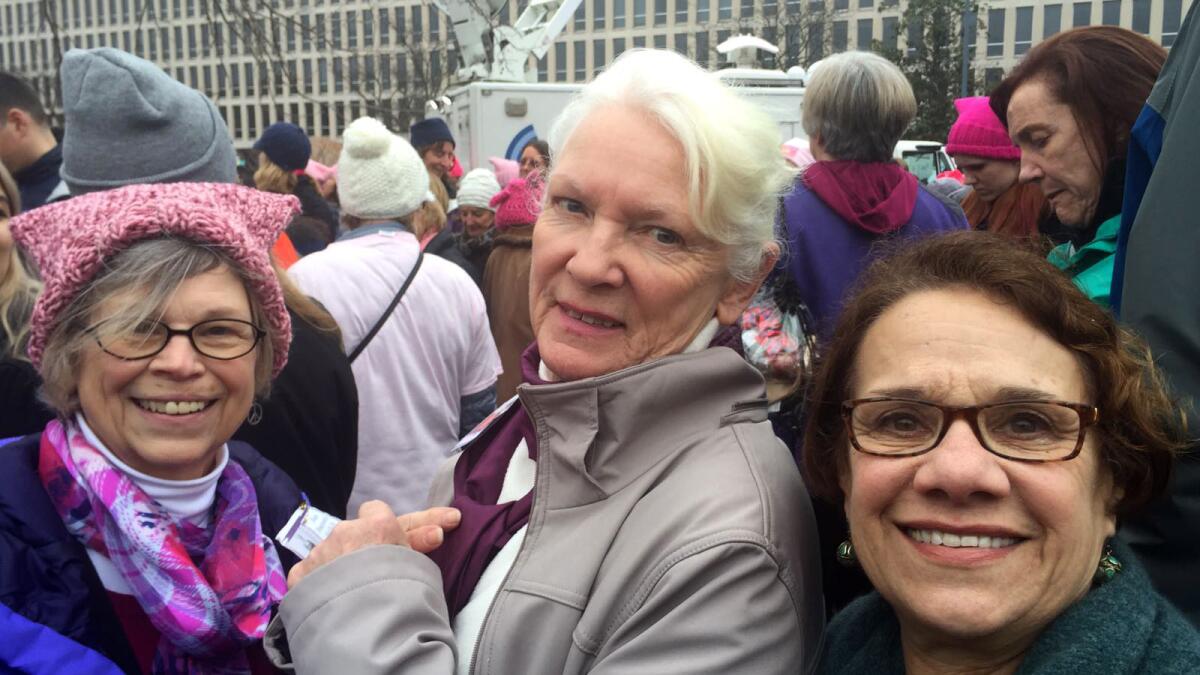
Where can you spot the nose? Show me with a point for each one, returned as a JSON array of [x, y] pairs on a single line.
[[596, 259], [960, 470], [969, 178], [1030, 171], [178, 359]]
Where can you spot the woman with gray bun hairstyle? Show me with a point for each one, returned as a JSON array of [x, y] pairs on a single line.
[[630, 510]]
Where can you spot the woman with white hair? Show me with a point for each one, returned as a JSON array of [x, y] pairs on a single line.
[[630, 510], [856, 107]]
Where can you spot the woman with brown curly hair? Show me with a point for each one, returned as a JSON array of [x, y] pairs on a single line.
[[985, 426]]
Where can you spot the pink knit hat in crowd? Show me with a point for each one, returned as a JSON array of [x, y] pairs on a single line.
[[519, 203], [70, 240], [979, 132]]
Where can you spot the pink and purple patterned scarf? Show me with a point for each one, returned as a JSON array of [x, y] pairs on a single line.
[[209, 591]]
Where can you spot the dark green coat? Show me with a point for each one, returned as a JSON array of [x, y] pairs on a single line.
[[1123, 627]]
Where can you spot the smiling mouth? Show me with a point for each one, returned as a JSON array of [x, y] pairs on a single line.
[[951, 540], [591, 320], [173, 407]]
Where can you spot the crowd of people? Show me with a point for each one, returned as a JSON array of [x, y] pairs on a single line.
[[660, 395]]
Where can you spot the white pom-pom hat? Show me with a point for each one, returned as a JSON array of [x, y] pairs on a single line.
[[380, 176]]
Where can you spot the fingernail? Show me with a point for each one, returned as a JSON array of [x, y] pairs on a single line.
[[453, 517], [436, 537]]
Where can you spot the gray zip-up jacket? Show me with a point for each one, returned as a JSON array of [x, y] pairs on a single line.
[[670, 533]]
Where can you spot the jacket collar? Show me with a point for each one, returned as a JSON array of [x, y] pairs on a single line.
[[597, 435]]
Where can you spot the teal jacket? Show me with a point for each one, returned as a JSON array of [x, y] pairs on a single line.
[[1122, 627], [1091, 265]]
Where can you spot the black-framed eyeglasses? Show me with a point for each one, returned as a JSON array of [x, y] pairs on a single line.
[[1023, 431], [224, 339]]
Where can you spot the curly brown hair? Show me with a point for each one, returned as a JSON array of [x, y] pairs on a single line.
[[1141, 427]]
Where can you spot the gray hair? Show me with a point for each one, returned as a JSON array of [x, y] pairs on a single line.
[[735, 170], [858, 106], [147, 273]]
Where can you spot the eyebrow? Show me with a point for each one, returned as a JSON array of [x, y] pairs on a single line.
[[1025, 132], [642, 211], [1002, 395]]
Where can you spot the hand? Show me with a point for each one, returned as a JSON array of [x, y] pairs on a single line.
[[422, 531]]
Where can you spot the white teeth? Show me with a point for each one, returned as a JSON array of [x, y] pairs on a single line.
[[173, 407], [591, 320], [951, 540]]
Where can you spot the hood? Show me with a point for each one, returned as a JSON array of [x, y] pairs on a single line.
[[876, 197]]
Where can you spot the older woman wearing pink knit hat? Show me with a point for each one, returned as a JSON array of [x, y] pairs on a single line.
[[506, 276], [990, 163], [131, 523]]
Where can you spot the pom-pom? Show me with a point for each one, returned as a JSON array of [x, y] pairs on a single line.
[[366, 138]]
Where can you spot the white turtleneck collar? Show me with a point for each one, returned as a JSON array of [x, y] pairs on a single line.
[[701, 341], [189, 500]]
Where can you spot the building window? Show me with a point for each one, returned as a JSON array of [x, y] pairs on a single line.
[[816, 42], [639, 13], [560, 62], [1111, 13], [599, 55], [1172, 11], [841, 5], [770, 10], [435, 22], [385, 27], [866, 4], [891, 32], [368, 23], [598, 14], [866, 33], [1141, 16], [351, 30], [702, 11], [681, 11], [840, 36], [702, 49], [995, 32], [542, 72], [1051, 20], [660, 12], [992, 77], [580, 16], [771, 36], [1024, 30], [639, 41], [335, 29], [618, 17], [580, 60], [415, 22], [724, 9], [681, 45], [322, 39], [913, 44], [1081, 14], [660, 41]]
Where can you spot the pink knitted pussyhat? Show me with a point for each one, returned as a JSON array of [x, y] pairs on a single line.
[[519, 203], [70, 240], [979, 132]]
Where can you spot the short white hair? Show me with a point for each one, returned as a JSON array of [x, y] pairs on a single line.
[[735, 170]]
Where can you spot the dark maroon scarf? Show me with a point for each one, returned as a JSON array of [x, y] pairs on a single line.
[[478, 478], [876, 197]]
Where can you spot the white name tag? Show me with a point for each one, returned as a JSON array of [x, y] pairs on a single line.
[[483, 426], [307, 527]]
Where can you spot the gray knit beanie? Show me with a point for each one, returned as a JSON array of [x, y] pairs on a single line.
[[129, 122]]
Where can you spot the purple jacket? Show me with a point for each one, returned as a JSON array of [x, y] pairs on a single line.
[[825, 254]]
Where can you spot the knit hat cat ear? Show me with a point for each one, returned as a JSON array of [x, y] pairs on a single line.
[[71, 240]]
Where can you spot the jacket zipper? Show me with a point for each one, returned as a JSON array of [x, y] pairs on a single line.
[[491, 606]]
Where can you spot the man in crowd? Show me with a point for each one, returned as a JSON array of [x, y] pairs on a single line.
[[28, 148]]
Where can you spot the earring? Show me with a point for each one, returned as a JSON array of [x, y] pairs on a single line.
[[1108, 567], [845, 553], [255, 415]]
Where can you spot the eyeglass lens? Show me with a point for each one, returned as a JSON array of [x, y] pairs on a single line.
[[1025, 430], [219, 338]]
